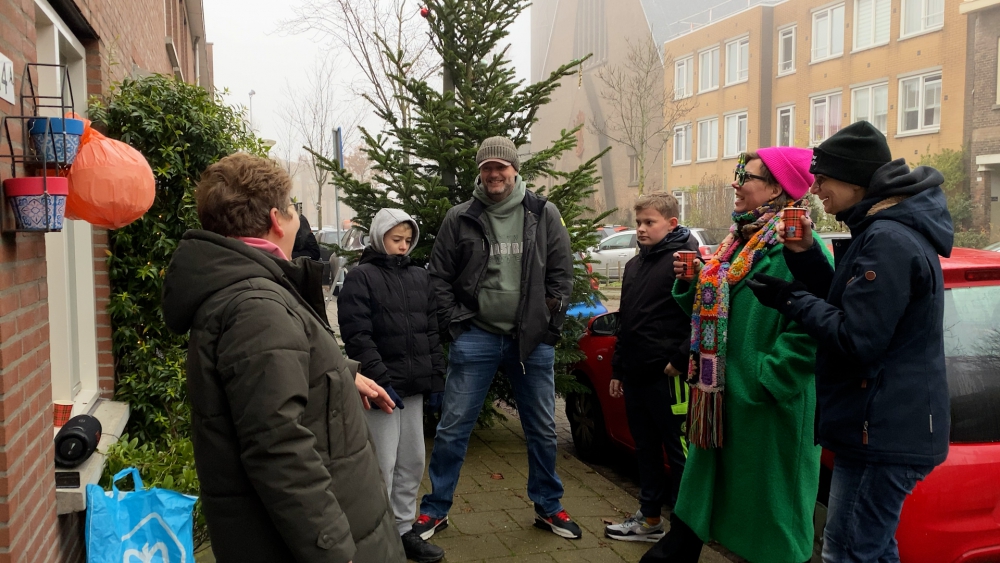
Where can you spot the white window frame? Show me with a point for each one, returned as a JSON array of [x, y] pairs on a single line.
[[684, 66], [833, 31], [713, 71], [742, 70], [827, 100], [873, 40], [69, 254], [922, 80], [734, 120], [790, 110], [713, 135], [869, 114], [781, 42], [924, 16], [684, 133]]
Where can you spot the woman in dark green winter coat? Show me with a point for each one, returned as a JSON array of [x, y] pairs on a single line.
[[287, 466]]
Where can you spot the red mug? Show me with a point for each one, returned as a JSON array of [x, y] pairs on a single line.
[[794, 218], [687, 257]]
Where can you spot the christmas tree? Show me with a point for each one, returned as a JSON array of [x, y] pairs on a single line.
[[424, 162]]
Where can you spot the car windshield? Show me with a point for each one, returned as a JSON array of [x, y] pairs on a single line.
[[972, 357], [709, 237]]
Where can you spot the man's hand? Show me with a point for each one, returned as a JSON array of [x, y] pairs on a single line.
[[771, 291], [797, 245], [671, 371], [371, 390], [615, 389]]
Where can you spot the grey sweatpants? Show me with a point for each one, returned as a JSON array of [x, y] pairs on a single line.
[[399, 445]]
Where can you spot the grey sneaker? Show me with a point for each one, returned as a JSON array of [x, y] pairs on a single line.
[[635, 528]]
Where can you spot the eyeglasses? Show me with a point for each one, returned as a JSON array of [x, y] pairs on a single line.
[[741, 175]]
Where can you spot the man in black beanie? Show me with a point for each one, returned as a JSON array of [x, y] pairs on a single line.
[[881, 391]]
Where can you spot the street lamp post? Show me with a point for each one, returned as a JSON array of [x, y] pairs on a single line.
[[251, 108]]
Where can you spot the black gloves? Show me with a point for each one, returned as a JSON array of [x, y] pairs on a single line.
[[392, 395], [774, 292]]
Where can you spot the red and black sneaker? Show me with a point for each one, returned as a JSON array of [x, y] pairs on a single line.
[[559, 524], [426, 525]]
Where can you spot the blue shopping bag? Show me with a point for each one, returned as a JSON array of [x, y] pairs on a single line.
[[144, 526]]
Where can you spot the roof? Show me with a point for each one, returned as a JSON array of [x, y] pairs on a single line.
[[670, 18]]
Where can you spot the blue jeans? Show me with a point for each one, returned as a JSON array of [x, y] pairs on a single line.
[[863, 513], [474, 358]]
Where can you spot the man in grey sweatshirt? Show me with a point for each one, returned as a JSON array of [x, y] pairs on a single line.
[[502, 271]]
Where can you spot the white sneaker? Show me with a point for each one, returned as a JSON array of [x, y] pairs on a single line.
[[635, 528]]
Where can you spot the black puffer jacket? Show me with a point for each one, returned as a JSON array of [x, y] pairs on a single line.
[[462, 251], [653, 329], [388, 320], [287, 465], [881, 389]]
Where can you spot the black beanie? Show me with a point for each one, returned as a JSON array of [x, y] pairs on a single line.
[[852, 154]]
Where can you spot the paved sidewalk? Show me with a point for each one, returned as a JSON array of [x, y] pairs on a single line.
[[491, 520]]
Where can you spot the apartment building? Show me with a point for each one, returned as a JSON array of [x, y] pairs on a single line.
[[795, 72], [984, 110]]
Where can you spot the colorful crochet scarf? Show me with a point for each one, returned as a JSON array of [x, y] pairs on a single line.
[[710, 318]]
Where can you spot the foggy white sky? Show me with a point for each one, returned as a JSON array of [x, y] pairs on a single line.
[[251, 54]]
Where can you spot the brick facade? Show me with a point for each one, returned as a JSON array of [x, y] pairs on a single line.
[[121, 38], [984, 118]]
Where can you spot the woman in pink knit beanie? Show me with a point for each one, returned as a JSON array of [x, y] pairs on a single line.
[[752, 471]]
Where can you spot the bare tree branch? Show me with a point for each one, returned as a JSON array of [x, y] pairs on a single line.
[[640, 111]]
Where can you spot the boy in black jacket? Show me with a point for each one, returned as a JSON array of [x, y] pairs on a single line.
[[388, 320], [650, 362]]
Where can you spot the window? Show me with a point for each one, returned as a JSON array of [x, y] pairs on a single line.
[[591, 33], [682, 144], [737, 61], [684, 78], [828, 33], [825, 117], [786, 126], [708, 70], [920, 103], [871, 104], [736, 135], [618, 242], [633, 170], [921, 15], [871, 23], [708, 139], [786, 51]]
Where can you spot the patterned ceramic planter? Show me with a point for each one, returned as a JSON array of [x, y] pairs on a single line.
[[57, 138], [37, 206]]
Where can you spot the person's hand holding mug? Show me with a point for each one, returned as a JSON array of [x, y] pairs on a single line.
[[803, 231], [685, 265]]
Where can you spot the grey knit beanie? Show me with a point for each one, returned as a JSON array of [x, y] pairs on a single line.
[[498, 149]]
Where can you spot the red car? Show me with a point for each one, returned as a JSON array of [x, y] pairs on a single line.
[[953, 516]]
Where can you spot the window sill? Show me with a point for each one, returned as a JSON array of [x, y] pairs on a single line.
[[743, 81], [817, 61], [701, 160], [920, 33], [681, 163], [869, 47], [917, 133], [786, 73], [708, 90], [732, 156], [113, 416]]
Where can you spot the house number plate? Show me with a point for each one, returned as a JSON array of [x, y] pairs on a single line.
[[6, 79]]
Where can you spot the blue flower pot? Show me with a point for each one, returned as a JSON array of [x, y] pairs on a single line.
[[57, 139]]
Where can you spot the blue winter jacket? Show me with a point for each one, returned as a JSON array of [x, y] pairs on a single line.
[[881, 390]]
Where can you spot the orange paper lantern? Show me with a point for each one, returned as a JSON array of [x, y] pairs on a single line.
[[110, 183]]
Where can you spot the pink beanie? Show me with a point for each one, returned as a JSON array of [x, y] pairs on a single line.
[[790, 166]]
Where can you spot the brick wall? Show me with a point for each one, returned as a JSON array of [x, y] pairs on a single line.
[[985, 118]]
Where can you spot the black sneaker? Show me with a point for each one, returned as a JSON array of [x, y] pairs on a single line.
[[419, 550], [426, 525], [559, 524]]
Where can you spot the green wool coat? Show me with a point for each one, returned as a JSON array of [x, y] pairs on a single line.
[[756, 494]]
